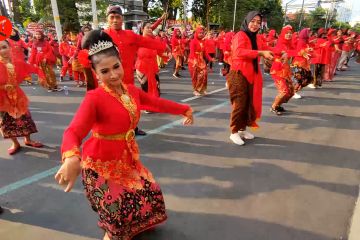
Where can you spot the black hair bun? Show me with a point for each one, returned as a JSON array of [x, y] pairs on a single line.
[[93, 37]]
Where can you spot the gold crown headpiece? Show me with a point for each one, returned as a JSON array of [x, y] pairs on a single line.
[[100, 46]]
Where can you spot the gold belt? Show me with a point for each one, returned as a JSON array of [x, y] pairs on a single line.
[[7, 86], [128, 136]]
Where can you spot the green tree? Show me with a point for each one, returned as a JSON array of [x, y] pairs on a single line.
[[341, 25], [317, 18], [356, 28]]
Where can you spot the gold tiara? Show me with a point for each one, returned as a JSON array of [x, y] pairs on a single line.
[[100, 46]]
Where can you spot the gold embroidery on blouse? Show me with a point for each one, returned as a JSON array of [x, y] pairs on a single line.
[[75, 151], [127, 101]]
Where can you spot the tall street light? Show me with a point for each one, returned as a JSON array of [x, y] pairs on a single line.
[[286, 6], [235, 15], [302, 13]]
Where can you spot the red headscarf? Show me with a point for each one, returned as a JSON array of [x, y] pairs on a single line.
[[175, 33], [304, 36], [282, 41], [271, 35], [197, 31]]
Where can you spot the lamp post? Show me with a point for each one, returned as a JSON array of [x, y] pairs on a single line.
[[234, 16], [302, 13], [286, 5]]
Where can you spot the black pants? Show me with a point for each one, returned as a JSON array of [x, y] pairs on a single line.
[[145, 86], [211, 63]]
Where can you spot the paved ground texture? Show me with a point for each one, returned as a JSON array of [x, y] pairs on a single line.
[[298, 180]]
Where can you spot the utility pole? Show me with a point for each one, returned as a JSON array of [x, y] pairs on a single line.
[[94, 13], [55, 11], [286, 6], [234, 16], [301, 14]]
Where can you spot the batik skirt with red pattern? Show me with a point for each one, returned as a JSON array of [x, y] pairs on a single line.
[[16, 127], [124, 212]]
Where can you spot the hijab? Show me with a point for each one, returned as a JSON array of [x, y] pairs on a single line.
[[16, 37], [252, 35], [304, 36]]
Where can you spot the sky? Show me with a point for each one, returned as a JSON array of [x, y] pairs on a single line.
[[354, 4]]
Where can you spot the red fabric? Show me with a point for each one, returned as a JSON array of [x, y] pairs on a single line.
[[13, 99], [128, 43], [156, 24], [227, 46], [104, 114], [64, 49], [294, 40], [55, 48], [177, 44], [284, 45], [271, 38], [41, 50], [281, 68], [242, 56], [17, 49], [146, 63], [83, 58], [210, 45], [221, 39], [197, 47], [322, 52], [302, 48]]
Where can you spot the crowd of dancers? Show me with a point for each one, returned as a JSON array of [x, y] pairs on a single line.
[[119, 187]]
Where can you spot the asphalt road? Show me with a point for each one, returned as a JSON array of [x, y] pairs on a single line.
[[298, 180]]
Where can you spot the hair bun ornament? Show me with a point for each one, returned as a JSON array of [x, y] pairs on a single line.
[[100, 46], [83, 58]]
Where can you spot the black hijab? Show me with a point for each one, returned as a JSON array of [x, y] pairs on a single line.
[[251, 35], [16, 37]]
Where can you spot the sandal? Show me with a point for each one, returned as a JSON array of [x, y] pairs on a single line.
[[13, 150], [34, 144]]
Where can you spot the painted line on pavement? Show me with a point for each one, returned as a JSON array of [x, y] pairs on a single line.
[[196, 97], [39, 176], [29, 180]]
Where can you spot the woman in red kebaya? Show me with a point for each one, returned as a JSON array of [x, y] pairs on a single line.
[[43, 57], [18, 46], [220, 40], [244, 79], [330, 68], [301, 62], [227, 52], [321, 58], [119, 187], [15, 118], [271, 40], [197, 64], [77, 68], [146, 66], [210, 47], [64, 50], [281, 71], [177, 46], [164, 58]]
